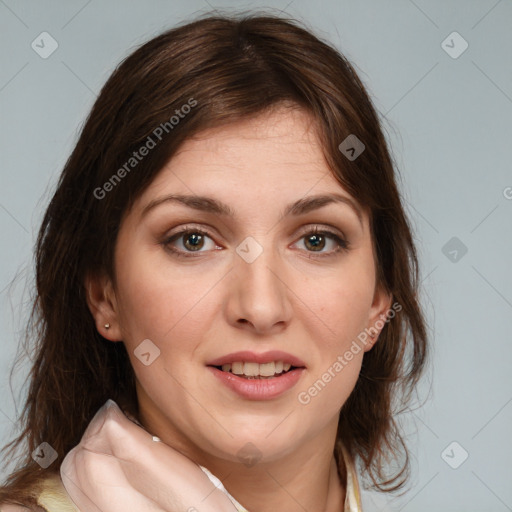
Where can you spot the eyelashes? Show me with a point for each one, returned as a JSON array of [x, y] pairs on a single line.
[[168, 243], [317, 237]]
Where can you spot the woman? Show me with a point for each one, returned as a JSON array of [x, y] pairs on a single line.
[[226, 287]]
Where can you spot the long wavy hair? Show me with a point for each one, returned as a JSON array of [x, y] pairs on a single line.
[[233, 67]]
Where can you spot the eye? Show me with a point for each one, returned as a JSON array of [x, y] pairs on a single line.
[[316, 239], [189, 240], [192, 240]]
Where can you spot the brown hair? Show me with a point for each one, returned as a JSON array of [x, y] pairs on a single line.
[[232, 66]]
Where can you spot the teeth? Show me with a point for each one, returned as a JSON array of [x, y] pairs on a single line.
[[255, 369], [266, 369], [251, 369], [237, 368]]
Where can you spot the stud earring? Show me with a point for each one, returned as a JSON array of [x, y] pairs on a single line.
[[107, 326]]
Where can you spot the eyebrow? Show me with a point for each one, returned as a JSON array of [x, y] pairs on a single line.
[[211, 205]]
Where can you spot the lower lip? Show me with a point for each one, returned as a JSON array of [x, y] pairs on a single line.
[[258, 389]]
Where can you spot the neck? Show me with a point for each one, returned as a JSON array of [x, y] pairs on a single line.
[[296, 484]]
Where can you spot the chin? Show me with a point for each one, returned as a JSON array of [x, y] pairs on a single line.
[[250, 450]]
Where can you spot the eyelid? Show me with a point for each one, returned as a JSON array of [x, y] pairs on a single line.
[[205, 229], [322, 227], [331, 232], [211, 232], [182, 231], [327, 230]]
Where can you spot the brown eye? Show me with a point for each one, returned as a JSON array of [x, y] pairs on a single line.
[[189, 241], [315, 241], [193, 241]]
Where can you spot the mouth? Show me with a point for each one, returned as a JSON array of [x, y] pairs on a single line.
[[257, 381], [251, 370], [258, 376]]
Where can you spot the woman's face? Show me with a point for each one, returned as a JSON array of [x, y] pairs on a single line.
[[250, 276]]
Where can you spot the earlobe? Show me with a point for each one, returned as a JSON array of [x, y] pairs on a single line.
[[102, 304]]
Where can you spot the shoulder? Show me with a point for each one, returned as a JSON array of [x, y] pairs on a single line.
[[51, 497]]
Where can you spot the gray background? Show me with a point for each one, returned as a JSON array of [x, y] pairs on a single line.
[[449, 124]]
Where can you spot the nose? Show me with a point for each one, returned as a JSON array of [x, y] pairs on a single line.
[[259, 298]]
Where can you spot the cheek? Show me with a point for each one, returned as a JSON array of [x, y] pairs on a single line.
[[338, 312], [158, 301], [341, 303]]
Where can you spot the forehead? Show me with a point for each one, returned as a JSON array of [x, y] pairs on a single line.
[[256, 168], [274, 149], [284, 125]]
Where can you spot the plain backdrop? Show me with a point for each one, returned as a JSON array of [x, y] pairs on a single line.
[[440, 75]]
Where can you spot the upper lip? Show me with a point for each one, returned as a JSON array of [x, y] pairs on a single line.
[[253, 357]]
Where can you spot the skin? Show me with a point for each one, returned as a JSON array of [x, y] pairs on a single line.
[[199, 308]]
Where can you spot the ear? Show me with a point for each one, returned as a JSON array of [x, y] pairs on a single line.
[[102, 303], [381, 304]]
